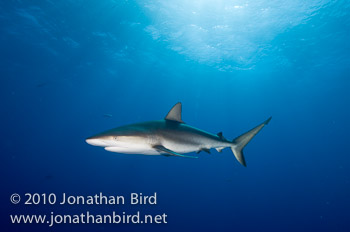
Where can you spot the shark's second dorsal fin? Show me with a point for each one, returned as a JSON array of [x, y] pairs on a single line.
[[175, 113], [221, 136]]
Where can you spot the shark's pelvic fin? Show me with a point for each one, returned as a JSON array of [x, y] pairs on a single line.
[[175, 113], [241, 141], [168, 152], [204, 149]]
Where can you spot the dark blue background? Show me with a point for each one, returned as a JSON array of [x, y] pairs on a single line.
[[65, 64]]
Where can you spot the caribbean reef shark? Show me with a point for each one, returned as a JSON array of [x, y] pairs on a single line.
[[170, 137]]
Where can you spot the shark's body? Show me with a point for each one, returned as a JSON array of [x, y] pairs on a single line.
[[169, 137]]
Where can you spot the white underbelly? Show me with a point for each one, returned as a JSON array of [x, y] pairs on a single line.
[[133, 150], [181, 148]]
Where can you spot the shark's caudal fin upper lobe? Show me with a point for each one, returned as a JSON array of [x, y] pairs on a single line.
[[241, 141]]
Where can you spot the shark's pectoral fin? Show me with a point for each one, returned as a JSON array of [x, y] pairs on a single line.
[[175, 113], [168, 152]]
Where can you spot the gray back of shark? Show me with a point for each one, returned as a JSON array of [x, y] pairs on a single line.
[[170, 137]]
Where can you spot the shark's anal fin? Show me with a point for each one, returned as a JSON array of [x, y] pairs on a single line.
[[175, 113], [168, 152], [219, 149]]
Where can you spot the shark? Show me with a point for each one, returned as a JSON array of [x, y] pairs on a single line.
[[170, 137]]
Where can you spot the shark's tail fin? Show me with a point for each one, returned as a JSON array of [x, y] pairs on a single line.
[[241, 141]]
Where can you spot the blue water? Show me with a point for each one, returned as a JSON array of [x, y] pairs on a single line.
[[71, 69]]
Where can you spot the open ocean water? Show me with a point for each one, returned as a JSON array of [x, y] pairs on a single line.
[[70, 69]]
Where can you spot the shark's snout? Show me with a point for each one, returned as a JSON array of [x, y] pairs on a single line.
[[96, 141]]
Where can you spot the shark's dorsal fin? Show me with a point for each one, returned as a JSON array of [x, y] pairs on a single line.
[[175, 113], [221, 136]]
